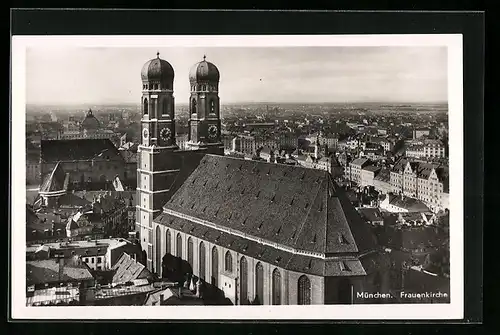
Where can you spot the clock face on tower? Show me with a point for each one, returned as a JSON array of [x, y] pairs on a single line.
[[212, 131], [145, 133], [165, 134]]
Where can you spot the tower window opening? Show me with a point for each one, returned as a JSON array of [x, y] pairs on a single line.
[[145, 106], [193, 106], [212, 107]]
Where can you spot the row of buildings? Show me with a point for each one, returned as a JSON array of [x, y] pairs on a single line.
[[427, 182]]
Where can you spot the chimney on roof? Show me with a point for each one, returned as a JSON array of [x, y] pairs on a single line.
[[60, 260], [198, 288], [162, 298]]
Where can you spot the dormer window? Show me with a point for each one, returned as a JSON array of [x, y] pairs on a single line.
[[344, 266]]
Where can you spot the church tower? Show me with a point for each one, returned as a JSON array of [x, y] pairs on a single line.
[[204, 108], [155, 167]]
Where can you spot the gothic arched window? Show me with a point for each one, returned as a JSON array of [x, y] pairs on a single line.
[[193, 106], [201, 260], [304, 292], [215, 266], [243, 281], [212, 106], [259, 283], [167, 242], [145, 108], [179, 245], [158, 250], [190, 252], [204, 88], [276, 287], [229, 262], [153, 108], [165, 107]]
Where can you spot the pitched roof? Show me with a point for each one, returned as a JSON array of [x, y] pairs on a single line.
[[80, 149], [410, 204], [400, 165], [171, 296], [271, 255], [383, 175], [443, 174], [304, 208], [360, 161], [72, 200], [372, 168], [126, 269], [371, 214], [50, 271], [129, 156], [31, 217], [56, 180]]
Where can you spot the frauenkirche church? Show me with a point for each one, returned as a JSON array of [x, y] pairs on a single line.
[[257, 231]]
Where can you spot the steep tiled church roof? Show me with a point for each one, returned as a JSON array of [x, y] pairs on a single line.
[[292, 206], [81, 149], [57, 180]]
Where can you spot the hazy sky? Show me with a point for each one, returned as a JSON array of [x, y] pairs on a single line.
[[292, 74]]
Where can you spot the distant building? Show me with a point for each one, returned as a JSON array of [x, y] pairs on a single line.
[[181, 140], [382, 181], [56, 272], [418, 133], [268, 154], [368, 174], [355, 168], [101, 254], [424, 181], [381, 131], [401, 204], [91, 163], [429, 149], [228, 142], [90, 128], [32, 164], [262, 142], [244, 144], [329, 141], [288, 141]]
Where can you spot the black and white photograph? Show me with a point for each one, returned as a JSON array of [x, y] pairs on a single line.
[[247, 176]]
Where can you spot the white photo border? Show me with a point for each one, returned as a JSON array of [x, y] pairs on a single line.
[[453, 310]]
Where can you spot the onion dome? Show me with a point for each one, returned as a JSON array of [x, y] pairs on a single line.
[[158, 71], [90, 122], [204, 72]]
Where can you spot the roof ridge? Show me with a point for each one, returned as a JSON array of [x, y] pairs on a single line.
[[305, 217], [327, 194]]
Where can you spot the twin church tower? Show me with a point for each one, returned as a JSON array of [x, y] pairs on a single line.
[[158, 125], [161, 164]]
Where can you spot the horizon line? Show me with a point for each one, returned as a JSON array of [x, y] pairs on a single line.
[[247, 103]]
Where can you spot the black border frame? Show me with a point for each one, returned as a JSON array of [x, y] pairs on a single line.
[[187, 22]]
